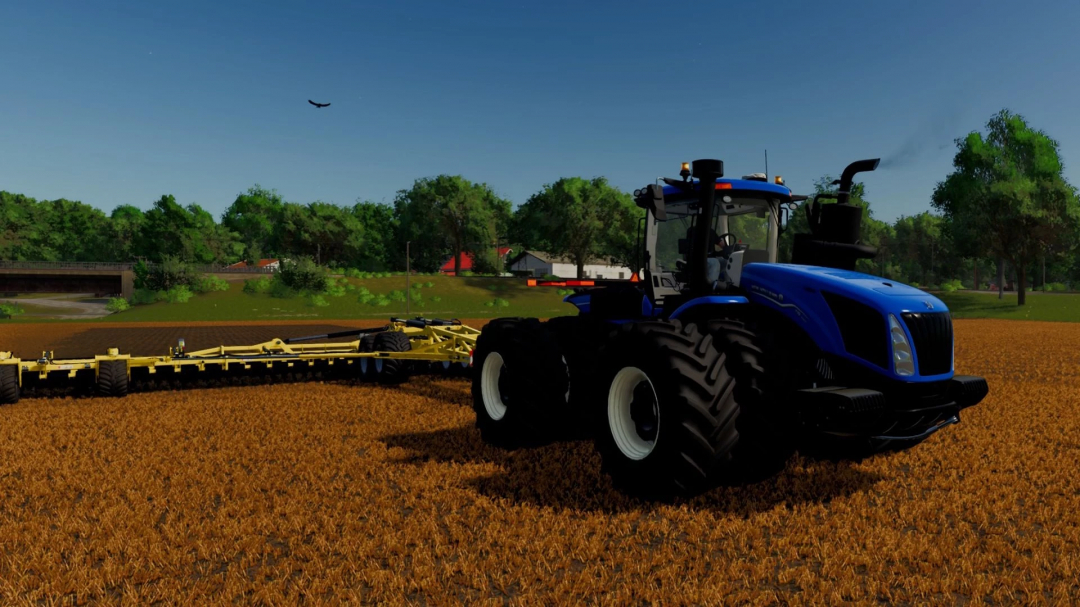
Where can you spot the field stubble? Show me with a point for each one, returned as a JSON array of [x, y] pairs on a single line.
[[334, 492]]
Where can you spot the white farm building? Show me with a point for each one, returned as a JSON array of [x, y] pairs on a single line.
[[538, 263]]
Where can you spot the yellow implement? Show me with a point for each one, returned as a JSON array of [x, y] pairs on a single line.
[[385, 353]]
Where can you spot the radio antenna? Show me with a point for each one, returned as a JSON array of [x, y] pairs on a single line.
[[766, 165]]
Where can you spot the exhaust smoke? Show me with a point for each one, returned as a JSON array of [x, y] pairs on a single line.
[[936, 133]]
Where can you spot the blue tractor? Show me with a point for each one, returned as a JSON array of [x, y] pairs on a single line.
[[716, 362]]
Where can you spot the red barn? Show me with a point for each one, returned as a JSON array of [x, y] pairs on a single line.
[[273, 264], [467, 261]]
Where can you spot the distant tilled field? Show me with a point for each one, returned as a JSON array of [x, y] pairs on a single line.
[[337, 492]]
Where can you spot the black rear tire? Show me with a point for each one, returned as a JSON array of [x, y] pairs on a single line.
[[519, 383], [112, 378], [392, 370], [9, 384], [760, 384], [579, 339]]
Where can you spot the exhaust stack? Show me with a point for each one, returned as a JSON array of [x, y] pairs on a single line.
[[833, 241], [859, 166]]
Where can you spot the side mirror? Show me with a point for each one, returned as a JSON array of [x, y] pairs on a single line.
[[651, 198], [684, 246]]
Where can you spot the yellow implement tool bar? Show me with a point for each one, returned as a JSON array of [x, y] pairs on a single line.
[[428, 341]]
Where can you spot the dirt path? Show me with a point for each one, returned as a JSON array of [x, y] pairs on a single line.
[[63, 307]]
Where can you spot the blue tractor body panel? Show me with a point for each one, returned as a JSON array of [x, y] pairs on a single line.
[[710, 300], [796, 291], [583, 302]]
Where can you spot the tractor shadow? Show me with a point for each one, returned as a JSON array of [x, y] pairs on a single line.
[[566, 475]]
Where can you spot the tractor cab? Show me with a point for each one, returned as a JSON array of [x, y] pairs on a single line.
[[681, 238]]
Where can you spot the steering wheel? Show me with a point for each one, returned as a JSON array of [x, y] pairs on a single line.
[[722, 239]]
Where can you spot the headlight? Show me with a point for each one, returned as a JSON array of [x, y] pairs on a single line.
[[903, 362]]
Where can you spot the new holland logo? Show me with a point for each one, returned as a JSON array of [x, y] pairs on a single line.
[[929, 306]]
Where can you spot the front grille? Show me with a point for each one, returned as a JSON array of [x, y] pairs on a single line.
[[933, 336], [862, 327]]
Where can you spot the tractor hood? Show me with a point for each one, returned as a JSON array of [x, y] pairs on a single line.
[[846, 313], [840, 281], [845, 279]]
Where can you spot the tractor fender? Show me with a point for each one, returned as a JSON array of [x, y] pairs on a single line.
[[697, 304]]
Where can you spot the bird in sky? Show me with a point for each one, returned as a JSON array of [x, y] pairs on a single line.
[[317, 104]]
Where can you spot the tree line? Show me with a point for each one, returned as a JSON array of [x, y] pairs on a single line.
[[1004, 216]]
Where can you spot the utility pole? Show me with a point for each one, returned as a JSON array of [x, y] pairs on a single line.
[[408, 292]]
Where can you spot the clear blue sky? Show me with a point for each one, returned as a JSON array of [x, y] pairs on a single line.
[[120, 102]]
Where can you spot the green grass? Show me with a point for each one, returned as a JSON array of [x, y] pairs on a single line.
[[467, 297], [1060, 307], [447, 297]]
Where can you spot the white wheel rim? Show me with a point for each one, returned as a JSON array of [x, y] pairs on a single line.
[[489, 386], [446, 365], [623, 428], [363, 366], [378, 365]]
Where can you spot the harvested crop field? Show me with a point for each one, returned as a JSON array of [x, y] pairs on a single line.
[[339, 492]]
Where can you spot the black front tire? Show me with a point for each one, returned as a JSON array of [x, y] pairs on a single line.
[[673, 410], [683, 429], [112, 378], [9, 384]]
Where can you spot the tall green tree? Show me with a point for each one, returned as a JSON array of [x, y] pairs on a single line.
[[1007, 195], [126, 225], [252, 217], [207, 241], [447, 215], [189, 233], [380, 233], [74, 231], [923, 251], [325, 232], [581, 219]]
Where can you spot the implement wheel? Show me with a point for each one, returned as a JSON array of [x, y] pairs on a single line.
[[365, 367], [9, 384], [391, 370], [112, 378], [519, 383]]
